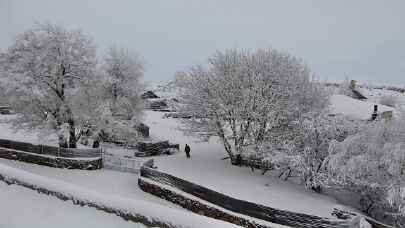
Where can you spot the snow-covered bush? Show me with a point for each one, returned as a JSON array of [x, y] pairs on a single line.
[[243, 97], [305, 147], [372, 163], [96, 115], [389, 100], [311, 143]]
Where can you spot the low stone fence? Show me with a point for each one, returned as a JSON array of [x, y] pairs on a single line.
[[50, 150], [253, 210], [195, 205], [88, 159], [130, 211]]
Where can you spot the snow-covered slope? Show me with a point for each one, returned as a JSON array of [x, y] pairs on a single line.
[[150, 210], [22, 207], [207, 168], [341, 104]]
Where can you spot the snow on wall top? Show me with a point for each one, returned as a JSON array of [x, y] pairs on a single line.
[[341, 104], [151, 210]]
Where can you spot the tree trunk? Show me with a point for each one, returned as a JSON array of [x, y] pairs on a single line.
[[62, 142], [72, 134], [221, 134]]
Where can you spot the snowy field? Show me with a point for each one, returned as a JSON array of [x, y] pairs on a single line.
[[22, 207], [206, 167]]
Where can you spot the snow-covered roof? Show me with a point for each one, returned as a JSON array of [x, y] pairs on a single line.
[[341, 104]]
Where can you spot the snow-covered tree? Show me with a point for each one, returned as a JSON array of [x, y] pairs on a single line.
[[110, 102], [123, 71], [43, 70], [246, 98], [307, 147], [372, 163]]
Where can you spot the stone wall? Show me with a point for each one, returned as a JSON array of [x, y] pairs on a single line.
[[51, 161], [262, 212], [50, 150], [195, 206], [137, 218]]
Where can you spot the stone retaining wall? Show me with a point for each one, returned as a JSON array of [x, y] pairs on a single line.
[[51, 161], [49, 150], [265, 213], [195, 205], [138, 218]]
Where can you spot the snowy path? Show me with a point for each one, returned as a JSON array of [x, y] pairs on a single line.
[[206, 168], [22, 207]]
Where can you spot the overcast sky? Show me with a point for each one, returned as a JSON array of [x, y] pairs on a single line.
[[362, 39]]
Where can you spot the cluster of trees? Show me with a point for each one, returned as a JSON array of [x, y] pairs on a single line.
[[372, 163], [52, 78], [265, 105]]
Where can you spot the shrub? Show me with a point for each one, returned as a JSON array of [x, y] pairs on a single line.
[[372, 163]]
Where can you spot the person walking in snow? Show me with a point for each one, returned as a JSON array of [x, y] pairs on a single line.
[[187, 150]]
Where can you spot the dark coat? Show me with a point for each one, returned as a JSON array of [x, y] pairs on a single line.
[[187, 149]]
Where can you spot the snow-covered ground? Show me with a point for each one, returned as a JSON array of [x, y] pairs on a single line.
[[7, 132], [22, 207], [151, 211], [374, 95], [341, 104], [102, 181], [208, 169], [205, 167]]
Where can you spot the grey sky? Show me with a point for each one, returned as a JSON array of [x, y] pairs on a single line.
[[363, 39]]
